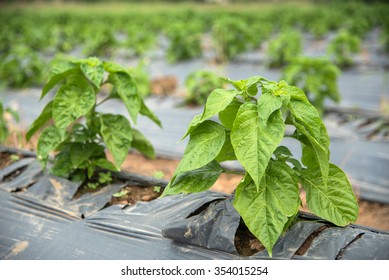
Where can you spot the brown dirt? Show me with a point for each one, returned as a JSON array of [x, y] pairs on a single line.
[[165, 85], [133, 194]]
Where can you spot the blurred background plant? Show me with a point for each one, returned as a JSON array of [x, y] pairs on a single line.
[[283, 48], [317, 77], [343, 47], [199, 84]]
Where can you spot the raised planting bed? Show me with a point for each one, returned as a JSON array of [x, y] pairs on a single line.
[[42, 218]]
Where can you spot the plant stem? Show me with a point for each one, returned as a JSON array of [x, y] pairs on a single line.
[[234, 172], [102, 101]]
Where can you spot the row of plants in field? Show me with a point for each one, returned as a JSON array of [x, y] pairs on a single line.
[[32, 38], [250, 123]]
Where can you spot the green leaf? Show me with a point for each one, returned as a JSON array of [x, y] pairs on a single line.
[[197, 180], [43, 118], [71, 102], [334, 201], [227, 152], [81, 152], [308, 122], [253, 142], [145, 111], [266, 211], [112, 67], [127, 91], [228, 115], [117, 134], [267, 104], [63, 72], [282, 151], [106, 164], [62, 166], [204, 145], [48, 141], [141, 143], [252, 85], [193, 124], [93, 70], [217, 101]]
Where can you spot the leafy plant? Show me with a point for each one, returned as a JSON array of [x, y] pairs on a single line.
[[284, 48], [342, 47], [5, 115], [184, 41], [317, 77], [199, 84], [102, 42], [140, 39], [21, 67], [231, 37], [79, 133], [251, 130]]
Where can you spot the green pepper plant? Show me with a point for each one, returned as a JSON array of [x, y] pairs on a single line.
[[6, 113], [342, 47], [317, 77], [283, 48], [199, 84], [250, 130], [78, 132]]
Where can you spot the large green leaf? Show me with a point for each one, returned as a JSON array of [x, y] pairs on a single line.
[[71, 102], [141, 143], [192, 126], [254, 143], [228, 115], [117, 134], [217, 101], [93, 70], [267, 104], [204, 145], [197, 180], [61, 72], [48, 141], [62, 166], [227, 152], [43, 118], [145, 111], [126, 89], [81, 152], [113, 67], [334, 201], [308, 122], [266, 211]]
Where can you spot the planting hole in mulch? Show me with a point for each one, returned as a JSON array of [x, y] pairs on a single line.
[[130, 195], [246, 243], [7, 159], [307, 243]]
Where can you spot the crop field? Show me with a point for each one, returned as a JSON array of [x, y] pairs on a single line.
[[116, 85]]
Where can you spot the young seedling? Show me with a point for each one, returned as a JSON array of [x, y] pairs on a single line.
[[250, 130], [79, 133]]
